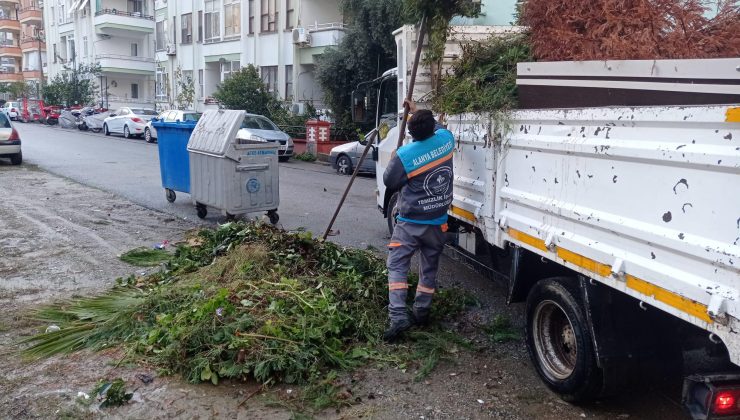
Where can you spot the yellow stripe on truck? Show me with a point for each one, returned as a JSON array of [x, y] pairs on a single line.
[[732, 115], [583, 262], [528, 239], [457, 211], [643, 287], [669, 298]]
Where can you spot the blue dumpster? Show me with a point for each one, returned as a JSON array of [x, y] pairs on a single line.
[[174, 162]]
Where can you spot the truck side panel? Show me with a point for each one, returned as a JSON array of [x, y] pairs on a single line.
[[645, 200]]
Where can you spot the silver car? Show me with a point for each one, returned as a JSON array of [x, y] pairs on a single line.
[[171, 115], [345, 157], [258, 128]]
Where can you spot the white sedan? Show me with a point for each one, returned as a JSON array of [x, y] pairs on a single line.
[[128, 121]]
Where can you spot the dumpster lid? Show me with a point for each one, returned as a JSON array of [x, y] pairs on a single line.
[[215, 132]]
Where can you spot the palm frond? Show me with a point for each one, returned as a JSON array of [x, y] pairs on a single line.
[[84, 322]]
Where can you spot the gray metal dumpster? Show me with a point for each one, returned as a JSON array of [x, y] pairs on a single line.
[[232, 175]]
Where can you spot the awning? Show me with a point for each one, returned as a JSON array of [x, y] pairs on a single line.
[[226, 57], [74, 7], [83, 3]]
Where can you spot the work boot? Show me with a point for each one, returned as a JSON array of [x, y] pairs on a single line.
[[395, 329], [421, 316]]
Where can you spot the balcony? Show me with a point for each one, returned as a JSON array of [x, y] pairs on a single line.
[[9, 49], [326, 34], [11, 77], [31, 44], [30, 15], [10, 24], [31, 74], [323, 35], [121, 23], [114, 63], [66, 25]]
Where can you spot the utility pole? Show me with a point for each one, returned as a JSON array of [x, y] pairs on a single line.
[[39, 36], [41, 68]]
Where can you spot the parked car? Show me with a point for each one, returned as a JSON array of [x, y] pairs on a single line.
[[128, 121], [12, 110], [258, 128], [150, 133], [10, 141], [345, 157]]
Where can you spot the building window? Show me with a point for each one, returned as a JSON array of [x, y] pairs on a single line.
[[200, 83], [161, 35], [186, 23], [54, 48], [212, 21], [136, 6], [134, 50], [53, 18], [134, 91], [71, 49], [200, 26], [289, 14], [268, 22], [232, 18], [161, 84], [174, 29], [62, 16], [251, 16], [227, 68], [84, 46], [288, 83], [269, 78]]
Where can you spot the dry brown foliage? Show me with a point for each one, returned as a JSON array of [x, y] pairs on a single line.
[[631, 29]]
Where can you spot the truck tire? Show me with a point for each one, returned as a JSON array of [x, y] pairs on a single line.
[[560, 343], [392, 213]]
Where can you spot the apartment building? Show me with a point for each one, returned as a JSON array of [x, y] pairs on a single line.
[[207, 40], [116, 34], [146, 47], [22, 46]]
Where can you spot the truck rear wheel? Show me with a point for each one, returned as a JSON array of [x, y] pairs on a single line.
[[560, 342]]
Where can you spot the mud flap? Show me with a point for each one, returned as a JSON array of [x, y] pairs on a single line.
[[611, 352]]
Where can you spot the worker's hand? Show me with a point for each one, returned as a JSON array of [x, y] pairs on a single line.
[[393, 154], [410, 104]]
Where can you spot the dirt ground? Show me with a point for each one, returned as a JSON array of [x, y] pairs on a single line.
[[60, 239]]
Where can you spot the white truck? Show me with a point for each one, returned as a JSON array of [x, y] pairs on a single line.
[[619, 226]]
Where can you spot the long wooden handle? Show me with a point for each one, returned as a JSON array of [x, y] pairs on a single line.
[[412, 80], [368, 146]]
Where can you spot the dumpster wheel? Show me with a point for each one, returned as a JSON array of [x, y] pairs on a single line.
[[170, 194], [202, 210], [274, 217]]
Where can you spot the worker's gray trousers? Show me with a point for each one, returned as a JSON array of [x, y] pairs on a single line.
[[407, 238]]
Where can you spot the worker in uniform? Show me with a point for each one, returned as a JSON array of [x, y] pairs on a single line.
[[422, 173]]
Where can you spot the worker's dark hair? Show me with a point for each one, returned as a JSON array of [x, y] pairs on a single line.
[[421, 124]]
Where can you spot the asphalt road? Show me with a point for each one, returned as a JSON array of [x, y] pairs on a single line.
[[309, 192]]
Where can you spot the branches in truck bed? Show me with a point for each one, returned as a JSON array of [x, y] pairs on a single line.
[[631, 29]]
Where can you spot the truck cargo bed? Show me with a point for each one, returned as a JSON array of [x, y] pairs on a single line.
[[645, 200]]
